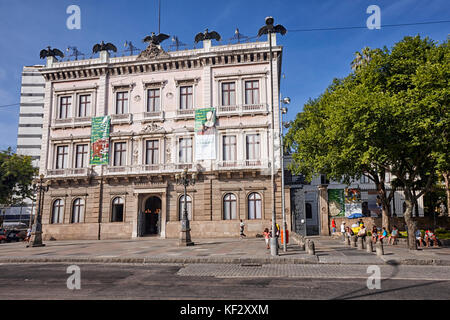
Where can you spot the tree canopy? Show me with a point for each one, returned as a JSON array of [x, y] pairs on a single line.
[[390, 114], [16, 177]]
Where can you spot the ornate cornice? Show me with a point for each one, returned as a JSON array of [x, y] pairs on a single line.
[[232, 55]]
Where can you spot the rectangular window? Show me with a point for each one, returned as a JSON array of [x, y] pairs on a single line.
[[122, 102], [153, 100], [65, 107], [229, 148], [253, 147], [120, 154], [61, 157], [152, 152], [228, 94], [84, 107], [252, 92], [81, 156], [186, 98], [185, 152]]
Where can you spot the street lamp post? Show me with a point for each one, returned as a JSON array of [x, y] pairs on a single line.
[[270, 29], [185, 233], [283, 110], [36, 231]]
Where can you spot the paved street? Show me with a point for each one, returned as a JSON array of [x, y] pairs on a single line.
[[235, 282], [216, 269]]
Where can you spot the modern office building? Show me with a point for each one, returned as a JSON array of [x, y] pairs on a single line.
[[29, 135], [116, 131]]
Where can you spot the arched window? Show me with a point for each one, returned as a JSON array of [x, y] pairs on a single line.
[[308, 209], [181, 207], [77, 211], [58, 211], [229, 206], [117, 210], [254, 206]]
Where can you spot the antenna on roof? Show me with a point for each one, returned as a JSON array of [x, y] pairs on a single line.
[[239, 36], [131, 47], [159, 16], [177, 43], [75, 52]]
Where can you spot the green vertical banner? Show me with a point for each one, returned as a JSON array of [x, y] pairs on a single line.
[[336, 202], [100, 130], [205, 134]]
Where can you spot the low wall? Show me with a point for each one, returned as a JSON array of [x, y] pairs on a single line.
[[87, 231]]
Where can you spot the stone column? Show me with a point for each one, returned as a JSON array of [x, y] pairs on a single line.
[[323, 207]]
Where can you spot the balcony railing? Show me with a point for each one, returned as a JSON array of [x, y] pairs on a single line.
[[152, 116], [121, 118], [185, 113], [241, 164], [71, 122], [148, 168], [242, 109], [68, 172]]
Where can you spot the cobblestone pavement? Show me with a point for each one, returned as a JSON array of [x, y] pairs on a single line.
[[324, 271]]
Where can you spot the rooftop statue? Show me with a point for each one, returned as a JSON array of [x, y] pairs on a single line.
[[104, 47], [154, 49], [207, 35], [51, 53]]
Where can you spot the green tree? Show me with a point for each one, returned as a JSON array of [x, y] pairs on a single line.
[[391, 115], [16, 177]]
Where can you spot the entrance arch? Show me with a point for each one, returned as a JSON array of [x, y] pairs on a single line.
[[150, 217]]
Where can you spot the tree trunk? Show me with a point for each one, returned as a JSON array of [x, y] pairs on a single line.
[[447, 191], [412, 227], [386, 208]]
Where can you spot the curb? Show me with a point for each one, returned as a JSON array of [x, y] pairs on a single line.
[[202, 260], [162, 260]]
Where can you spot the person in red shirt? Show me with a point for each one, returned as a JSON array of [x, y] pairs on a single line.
[[333, 226]]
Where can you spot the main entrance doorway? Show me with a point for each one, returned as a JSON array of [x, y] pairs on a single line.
[[150, 217]]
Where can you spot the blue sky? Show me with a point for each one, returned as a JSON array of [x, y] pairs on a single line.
[[311, 59]]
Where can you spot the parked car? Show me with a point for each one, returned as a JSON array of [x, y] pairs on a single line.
[[2, 236], [13, 236]]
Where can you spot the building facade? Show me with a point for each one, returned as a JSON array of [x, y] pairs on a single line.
[[152, 101], [29, 135]]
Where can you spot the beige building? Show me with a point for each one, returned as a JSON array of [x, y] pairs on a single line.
[[151, 100]]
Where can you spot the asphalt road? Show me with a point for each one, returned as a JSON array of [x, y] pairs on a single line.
[[230, 282]]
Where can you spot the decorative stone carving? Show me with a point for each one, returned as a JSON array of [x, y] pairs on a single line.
[[153, 52], [135, 155], [168, 151], [152, 128]]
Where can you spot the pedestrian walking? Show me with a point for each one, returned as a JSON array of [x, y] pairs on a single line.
[[27, 239], [343, 230], [242, 226], [266, 234], [333, 226]]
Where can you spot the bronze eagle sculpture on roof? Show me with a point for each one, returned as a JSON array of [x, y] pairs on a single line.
[[49, 52], [156, 39], [207, 35], [269, 27], [104, 47]]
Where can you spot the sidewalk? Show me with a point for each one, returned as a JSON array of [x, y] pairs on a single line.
[[223, 250]]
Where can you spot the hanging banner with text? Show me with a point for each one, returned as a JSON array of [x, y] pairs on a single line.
[[100, 130], [205, 134]]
